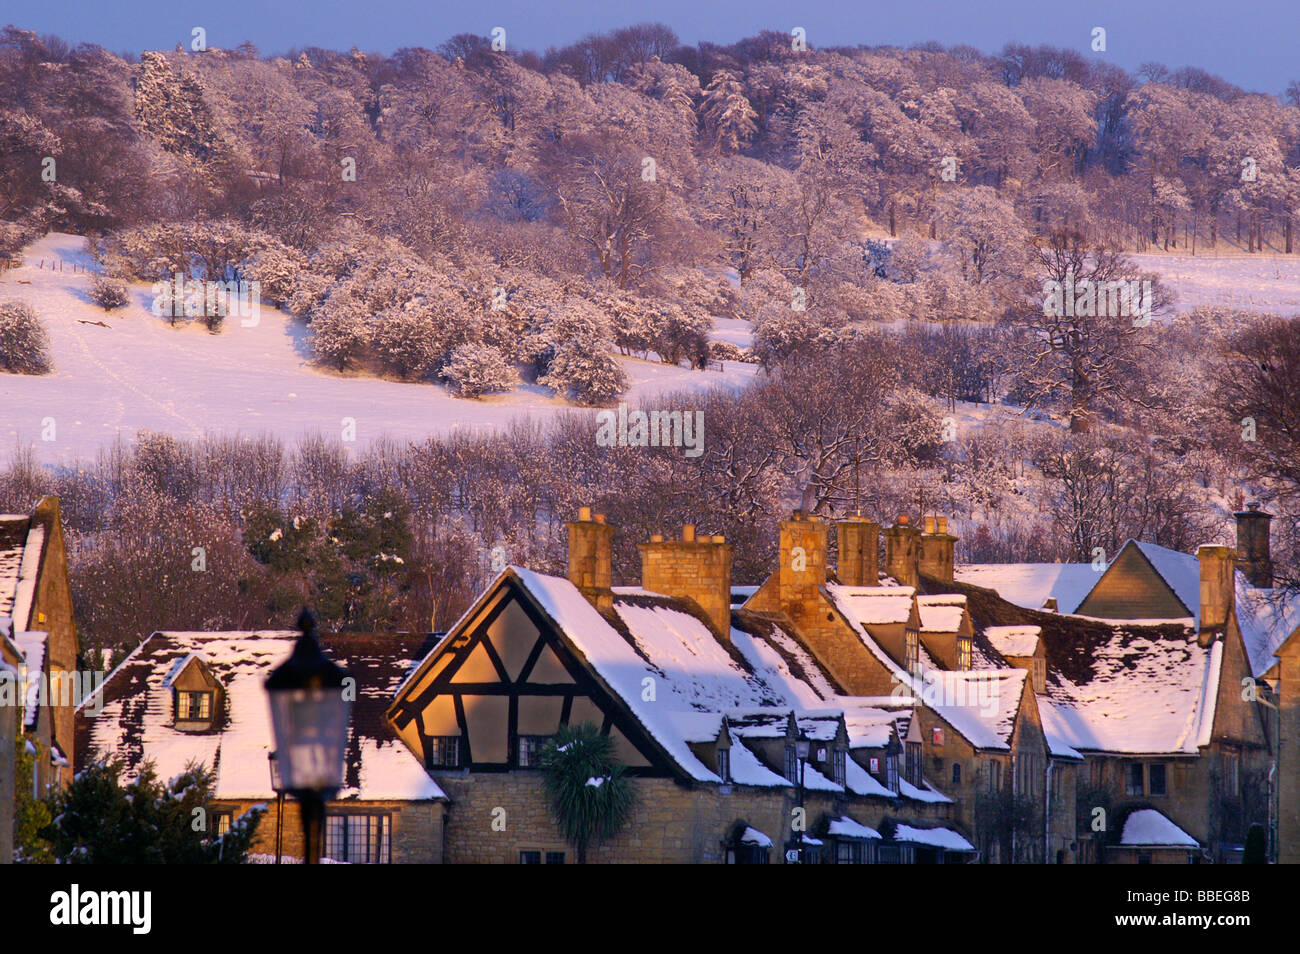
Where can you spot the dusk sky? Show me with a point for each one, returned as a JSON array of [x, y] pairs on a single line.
[[1250, 44]]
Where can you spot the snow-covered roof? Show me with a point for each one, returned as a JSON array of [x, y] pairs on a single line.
[[22, 542], [752, 836], [33, 647], [1031, 584], [873, 605], [944, 838], [136, 712], [1015, 641], [1266, 617], [1148, 828], [941, 613], [846, 827]]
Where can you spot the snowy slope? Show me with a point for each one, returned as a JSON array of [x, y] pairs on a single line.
[[141, 373]]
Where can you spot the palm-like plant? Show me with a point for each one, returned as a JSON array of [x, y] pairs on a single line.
[[590, 795]]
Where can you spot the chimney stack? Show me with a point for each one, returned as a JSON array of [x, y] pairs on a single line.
[[937, 549], [859, 545], [902, 546], [1253, 557], [695, 568], [591, 558], [803, 558], [1217, 587]]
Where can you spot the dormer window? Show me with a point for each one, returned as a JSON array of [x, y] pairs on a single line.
[[1040, 675], [791, 762], [963, 653], [891, 771], [913, 766], [193, 706], [724, 764], [196, 694]]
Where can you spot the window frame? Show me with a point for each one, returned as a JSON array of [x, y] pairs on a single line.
[[965, 652], [186, 696], [535, 743], [433, 749], [370, 832], [1151, 779]]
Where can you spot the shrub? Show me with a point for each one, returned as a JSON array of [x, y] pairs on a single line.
[[477, 368], [108, 293], [24, 346]]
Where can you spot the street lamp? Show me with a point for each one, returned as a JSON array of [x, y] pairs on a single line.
[[278, 788], [803, 749], [309, 716]]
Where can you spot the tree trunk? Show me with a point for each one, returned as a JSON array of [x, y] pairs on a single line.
[[893, 231]]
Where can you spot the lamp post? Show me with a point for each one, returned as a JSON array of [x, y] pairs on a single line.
[[309, 716], [803, 749], [278, 788]]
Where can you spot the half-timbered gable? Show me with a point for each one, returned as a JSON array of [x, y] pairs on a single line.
[[504, 680]]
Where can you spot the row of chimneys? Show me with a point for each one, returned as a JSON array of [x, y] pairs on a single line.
[[699, 567]]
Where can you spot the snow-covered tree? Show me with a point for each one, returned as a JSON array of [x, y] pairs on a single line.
[[475, 369], [726, 112]]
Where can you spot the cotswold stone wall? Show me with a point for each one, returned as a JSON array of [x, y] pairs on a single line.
[[670, 824]]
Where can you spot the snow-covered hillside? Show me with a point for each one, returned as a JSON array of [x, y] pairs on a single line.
[[1269, 283], [142, 374]]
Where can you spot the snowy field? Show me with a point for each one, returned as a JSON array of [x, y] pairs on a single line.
[[1269, 283], [142, 374]]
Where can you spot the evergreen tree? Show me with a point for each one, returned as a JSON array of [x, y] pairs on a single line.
[[99, 820], [591, 797]]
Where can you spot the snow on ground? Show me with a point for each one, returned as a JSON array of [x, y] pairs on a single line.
[[1268, 283], [142, 374]]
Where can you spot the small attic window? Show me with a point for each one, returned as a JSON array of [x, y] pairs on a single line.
[[193, 706], [963, 653], [724, 764]]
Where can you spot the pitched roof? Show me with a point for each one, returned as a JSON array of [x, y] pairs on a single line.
[[1115, 686], [1031, 584], [1267, 617], [941, 612], [135, 720], [873, 605], [1016, 641], [22, 543]]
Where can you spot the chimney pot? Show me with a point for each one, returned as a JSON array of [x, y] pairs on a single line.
[[688, 532], [584, 514], [929, 524], [656, 538], [942, 523], [719, 538], [599, 518], [903, 520]]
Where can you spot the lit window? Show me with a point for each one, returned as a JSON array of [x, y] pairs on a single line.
[[963, 654], [358, 839], [224, 820], [912, 650], [193, 706]]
